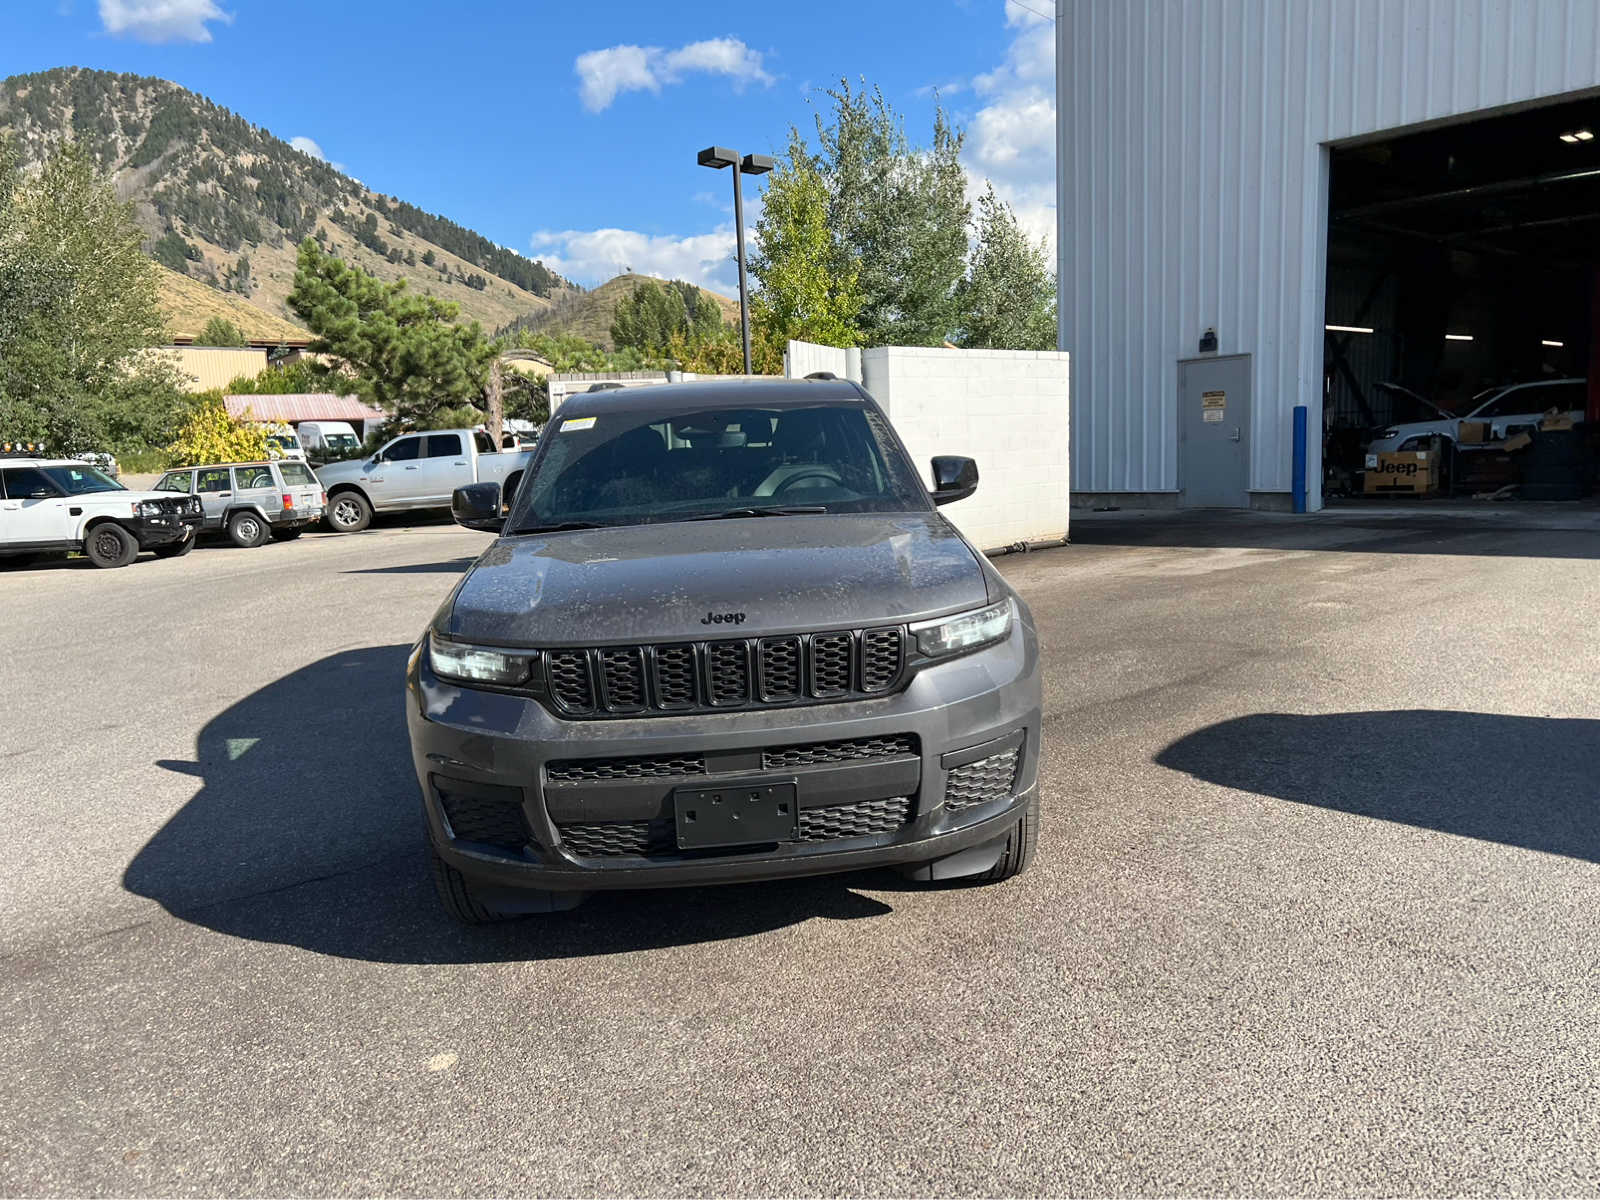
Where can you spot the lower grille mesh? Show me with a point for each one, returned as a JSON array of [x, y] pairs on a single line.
[[979, 782], [612, 838], [647, 839], [854, 820], [493, 821]]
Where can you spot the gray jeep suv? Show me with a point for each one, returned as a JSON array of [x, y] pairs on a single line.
[[723, 635]]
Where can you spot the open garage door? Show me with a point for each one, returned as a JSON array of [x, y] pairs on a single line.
[[1463, 298]]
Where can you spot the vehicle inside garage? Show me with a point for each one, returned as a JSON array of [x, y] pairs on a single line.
[[1462, 351]]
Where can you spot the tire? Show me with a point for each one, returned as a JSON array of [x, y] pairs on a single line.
[[348, 512], [110, 545], [457, 896], [247, 529], [176, 549], [1014, 859], [286, 535], [1020, 845]]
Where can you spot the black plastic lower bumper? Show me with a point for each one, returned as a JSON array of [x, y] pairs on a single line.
[[164, 530]]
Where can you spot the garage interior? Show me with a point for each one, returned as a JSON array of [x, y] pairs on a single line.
[[1461, 259]]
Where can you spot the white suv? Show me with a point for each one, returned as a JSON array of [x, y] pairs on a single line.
[[1503, 408], [53, 505]]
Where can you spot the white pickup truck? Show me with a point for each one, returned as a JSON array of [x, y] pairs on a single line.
[[416, 470]]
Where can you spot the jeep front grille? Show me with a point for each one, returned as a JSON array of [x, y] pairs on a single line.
[[725, 675]]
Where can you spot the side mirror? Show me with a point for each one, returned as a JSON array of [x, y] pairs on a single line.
[[477, 506], [954, 478]]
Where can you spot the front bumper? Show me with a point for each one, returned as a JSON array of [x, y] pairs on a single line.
[[164, 530], [491, 744]]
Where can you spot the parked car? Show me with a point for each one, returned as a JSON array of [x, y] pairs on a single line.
[[58, 505], [416, 471], [105, 463], [252, 501], [724, 635], [1505, 409], [328, 440], [283, 442]]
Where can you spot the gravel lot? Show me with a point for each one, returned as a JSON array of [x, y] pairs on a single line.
[[1315, 908]]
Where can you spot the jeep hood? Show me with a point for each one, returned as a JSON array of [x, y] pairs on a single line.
[[650, 583]]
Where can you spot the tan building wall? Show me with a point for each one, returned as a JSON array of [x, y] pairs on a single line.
[[217, 366]]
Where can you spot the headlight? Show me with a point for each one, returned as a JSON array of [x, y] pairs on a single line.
[[1387, 434], [149, 508], [479, 664], [965, 631]]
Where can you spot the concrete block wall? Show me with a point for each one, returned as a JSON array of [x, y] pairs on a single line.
[[1006, 409]]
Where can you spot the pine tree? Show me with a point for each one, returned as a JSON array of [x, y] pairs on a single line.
[[409, 355], [220, 331]]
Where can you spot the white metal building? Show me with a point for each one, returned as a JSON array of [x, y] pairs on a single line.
[[1194, 143]]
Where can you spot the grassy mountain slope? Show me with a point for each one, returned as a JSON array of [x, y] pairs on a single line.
[[589, 314], [210, 189], [188, 304]]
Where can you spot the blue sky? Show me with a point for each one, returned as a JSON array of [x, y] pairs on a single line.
[[568, 130]]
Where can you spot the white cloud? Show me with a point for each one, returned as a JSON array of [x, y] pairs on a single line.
[[161, 20], [603, 75], [592, 256], [1012, 138], [306, 146]]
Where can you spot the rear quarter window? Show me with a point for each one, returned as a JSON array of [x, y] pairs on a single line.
[[296, 474]]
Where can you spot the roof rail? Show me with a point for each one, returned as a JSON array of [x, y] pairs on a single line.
[[822, 375], [604, 386]]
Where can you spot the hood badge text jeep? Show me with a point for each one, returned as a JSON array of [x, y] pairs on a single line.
[[716, 618]]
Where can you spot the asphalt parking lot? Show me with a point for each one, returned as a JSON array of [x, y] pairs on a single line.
[[1314, 911]]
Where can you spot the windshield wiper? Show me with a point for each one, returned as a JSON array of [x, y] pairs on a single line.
[[789, 510], [561, 527]]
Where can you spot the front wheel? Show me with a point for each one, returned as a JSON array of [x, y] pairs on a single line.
[[981, 864], [349, 512], [457, 896], [246, 530], [1020, 845], [110, 545]]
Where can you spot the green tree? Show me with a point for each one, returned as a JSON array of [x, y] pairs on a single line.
[[810, 289], [292, 379], [647, 318], [77, 299], [220, 331], [408, 354], [900, 215], [1008, 299]]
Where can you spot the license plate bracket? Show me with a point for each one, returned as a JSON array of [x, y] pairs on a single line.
[[737, 813]]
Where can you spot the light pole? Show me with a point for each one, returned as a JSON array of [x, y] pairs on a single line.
[[718, 157]]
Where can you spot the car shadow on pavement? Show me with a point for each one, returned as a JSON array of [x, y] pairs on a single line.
[[1532, 782], [307, 830], [449, 566]]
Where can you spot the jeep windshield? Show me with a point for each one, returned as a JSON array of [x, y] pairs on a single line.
[[630, 468]]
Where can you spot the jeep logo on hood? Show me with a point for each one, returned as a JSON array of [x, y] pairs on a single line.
[[716, 618]]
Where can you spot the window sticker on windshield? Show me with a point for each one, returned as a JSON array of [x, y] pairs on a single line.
[[577, 423]]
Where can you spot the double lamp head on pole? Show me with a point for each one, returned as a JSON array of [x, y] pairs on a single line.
[[718, 157]]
